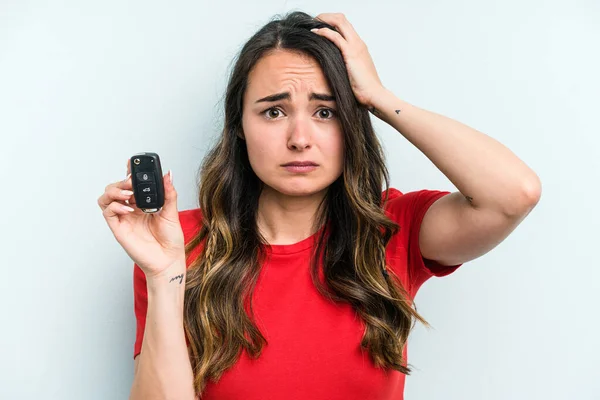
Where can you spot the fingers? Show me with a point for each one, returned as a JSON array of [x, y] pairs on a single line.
[[117, 200], [119, 194], [341, 24], [334, 36], [127, 185], [113, 211], [118, 191], [169, 209], [112, 202]]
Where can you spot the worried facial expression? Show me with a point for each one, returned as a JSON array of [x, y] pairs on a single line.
[[290, 116]]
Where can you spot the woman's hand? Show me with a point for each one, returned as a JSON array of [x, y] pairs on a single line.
[[153, 241], [361, 71]]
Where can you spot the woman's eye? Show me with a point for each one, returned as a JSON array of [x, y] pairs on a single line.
[[327, 110], [271, 115], [323, 112]]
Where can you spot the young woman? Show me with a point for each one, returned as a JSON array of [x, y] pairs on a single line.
[[295, 277]]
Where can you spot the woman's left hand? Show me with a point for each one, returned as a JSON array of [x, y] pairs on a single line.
[[361, 71]]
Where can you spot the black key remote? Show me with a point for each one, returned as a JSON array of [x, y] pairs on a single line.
[[147, 182]]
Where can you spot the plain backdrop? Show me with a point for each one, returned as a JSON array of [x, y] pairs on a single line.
[[84, 85]]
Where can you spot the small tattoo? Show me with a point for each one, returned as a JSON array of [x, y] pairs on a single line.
[[470, 199], [180, 277], [377, 112]]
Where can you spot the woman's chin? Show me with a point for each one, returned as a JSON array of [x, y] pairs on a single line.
[[298, 189]]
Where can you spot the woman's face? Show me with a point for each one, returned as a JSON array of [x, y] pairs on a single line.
[[296, 128]]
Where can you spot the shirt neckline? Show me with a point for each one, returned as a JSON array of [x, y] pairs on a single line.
[[297, 247]]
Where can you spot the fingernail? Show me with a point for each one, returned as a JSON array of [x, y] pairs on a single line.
[[171, 177], [127, 208], [127, 177], [126, 192], [314, 29]]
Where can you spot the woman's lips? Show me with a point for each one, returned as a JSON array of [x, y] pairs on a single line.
[[300, 168]]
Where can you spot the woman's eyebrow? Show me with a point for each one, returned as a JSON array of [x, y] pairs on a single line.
[[286, 96]]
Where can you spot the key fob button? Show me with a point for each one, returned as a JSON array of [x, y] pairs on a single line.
[[145, 177], [149, 199], [146, 188]]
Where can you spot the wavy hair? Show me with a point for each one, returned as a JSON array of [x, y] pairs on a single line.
[[351, 252]]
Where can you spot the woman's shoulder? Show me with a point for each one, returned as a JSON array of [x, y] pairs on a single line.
[[394, 197], [392, 193], [409, 208], [191, 215], [412, 199], [191, 221]]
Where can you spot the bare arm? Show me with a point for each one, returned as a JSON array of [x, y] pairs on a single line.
[[163, 369], [497, 190]]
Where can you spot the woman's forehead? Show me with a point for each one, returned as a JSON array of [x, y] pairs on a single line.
[[286, 72]]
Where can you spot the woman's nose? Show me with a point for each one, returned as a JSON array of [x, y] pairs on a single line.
[[300, 134]]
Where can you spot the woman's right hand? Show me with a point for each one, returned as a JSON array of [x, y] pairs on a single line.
[[153, 241]]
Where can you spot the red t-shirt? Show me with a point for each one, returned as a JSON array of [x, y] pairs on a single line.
[[313, 349]]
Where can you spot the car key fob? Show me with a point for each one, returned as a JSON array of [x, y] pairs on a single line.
[[147, 182]]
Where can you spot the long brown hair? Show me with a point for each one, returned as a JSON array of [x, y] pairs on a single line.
[[221, 280]]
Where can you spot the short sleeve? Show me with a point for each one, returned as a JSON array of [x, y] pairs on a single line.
[[408, 210]]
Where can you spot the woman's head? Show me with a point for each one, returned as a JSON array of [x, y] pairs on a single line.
[[290, 114], [284, 56]]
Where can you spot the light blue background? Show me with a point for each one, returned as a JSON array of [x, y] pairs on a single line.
[[84, 85]]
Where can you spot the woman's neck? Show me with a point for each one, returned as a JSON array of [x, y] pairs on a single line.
[[283, 219]]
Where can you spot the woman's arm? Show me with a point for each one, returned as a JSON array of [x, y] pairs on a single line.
[[487, 173], [163, 366], [497, 190]]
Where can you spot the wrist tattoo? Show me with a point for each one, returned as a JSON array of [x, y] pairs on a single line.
[[375, 111], [180, 277]]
